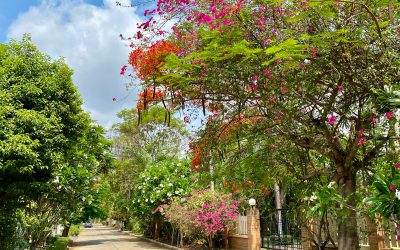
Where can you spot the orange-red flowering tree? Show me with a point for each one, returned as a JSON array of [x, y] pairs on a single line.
[[309, 70], [149, 96], [147, 62]]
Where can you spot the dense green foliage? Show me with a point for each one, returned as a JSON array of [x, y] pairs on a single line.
[[60, 243], [41, 120], [74, 230], [50, 149]]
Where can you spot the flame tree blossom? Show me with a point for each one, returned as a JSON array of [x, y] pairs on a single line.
[[147, 61]]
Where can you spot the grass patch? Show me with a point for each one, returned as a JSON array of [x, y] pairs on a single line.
[[60, 243]]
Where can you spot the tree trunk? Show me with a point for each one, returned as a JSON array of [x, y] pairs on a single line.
[[212, 174], [181, 240], [226, 238], [210, 241], [157, 227], [172, 235], [347, 223], [65, 231], [278, 203]]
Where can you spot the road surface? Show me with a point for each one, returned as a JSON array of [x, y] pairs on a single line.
[[104, 238]]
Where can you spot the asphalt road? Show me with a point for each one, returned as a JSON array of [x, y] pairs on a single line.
[[104, 238]]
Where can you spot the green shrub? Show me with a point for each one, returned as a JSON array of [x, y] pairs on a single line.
[[74, 230], [11, 229], [60, 243], [135, 227]]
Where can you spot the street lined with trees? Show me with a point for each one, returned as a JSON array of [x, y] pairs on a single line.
[[295, 105]]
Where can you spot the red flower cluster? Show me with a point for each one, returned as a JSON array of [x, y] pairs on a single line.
[[198, 152], [147, 62], [149, 96]]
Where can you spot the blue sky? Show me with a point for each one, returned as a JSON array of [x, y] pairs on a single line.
[[9, 10], [86, 34]]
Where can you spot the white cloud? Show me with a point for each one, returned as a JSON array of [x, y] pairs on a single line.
[[88, 37]]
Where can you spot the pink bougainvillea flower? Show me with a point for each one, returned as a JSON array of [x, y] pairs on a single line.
[[340, 88], [228, 22], [373, 119], [331, 119], [361, 132], [267, 41], [398, 237], [389, 114], [271, 100], [204, 18], [397, 165], [267, 73], [361, 141], [392, 187], [123, 69]]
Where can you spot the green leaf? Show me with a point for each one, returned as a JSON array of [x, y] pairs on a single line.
[[311, 212]]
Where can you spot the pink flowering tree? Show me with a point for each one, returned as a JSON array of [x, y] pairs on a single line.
[[307, 72], [205, 213]]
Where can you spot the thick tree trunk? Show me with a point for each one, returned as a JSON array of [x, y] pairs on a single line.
[[65, 231], [347, 223]]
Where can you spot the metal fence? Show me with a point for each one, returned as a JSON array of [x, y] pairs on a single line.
[[280, 231]]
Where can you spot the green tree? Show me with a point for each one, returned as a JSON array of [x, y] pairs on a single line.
[[138, 146], [151, 139], [47, 148]]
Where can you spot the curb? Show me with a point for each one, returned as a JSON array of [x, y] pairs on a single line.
[[153, 241]]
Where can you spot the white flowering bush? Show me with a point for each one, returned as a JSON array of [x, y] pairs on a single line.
[[324, 200], [159, 183]]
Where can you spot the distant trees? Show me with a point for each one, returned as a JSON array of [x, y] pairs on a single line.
[[146, 146]]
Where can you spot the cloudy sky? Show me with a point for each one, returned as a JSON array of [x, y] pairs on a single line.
[[86, 33]]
